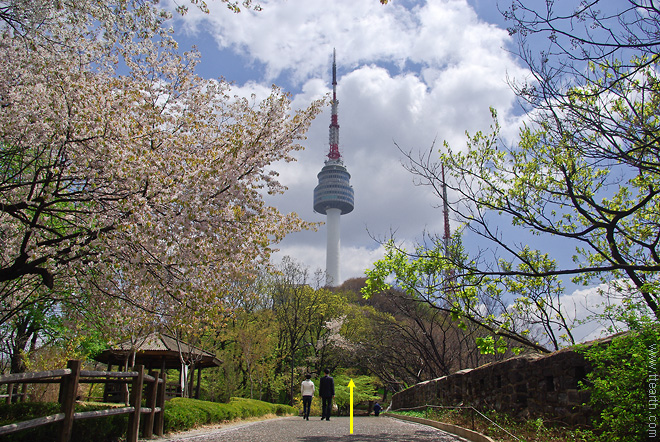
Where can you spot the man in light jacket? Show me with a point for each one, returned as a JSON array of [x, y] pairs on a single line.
[[307, 392]]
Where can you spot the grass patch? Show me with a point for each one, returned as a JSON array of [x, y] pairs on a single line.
[[501, 427]]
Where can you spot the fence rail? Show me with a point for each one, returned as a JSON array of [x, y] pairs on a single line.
[[72, 376]]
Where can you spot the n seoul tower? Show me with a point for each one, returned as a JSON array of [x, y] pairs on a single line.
[[333, 196]]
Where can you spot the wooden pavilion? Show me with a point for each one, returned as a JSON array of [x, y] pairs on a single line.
[[158, 351]]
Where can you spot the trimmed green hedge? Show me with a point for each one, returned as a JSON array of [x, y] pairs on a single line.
[[180, 414], [102, 429], [184, 414]]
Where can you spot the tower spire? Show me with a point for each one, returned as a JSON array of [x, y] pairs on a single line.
[[334, 153]]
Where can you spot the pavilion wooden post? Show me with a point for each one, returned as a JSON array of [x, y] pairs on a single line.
[[135, 402], [68, 391], [199, 381]]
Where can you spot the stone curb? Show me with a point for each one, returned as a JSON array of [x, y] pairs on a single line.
[[470, 435]]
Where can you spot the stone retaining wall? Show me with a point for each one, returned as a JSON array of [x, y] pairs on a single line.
[[525, 386]]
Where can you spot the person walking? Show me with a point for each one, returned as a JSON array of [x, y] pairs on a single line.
[[327, 392], [307, 392]]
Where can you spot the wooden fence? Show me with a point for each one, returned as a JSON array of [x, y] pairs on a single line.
[[69, 379]]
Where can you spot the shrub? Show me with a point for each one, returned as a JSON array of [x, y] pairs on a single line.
[[104, 429], [284, 410], [183, 414], [619, 385], [315, 409]]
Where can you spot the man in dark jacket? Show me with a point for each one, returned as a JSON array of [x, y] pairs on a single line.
[[327, 392]]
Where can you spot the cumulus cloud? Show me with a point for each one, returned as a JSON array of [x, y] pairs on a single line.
[[588, 307], [582, 304]]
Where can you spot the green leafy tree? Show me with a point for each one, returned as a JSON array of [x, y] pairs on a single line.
[[366, 389], [21, 334], [594, 100], [403, 340], [548, 185], [582, 173], [295, 303], [472, 301], [256, 337]]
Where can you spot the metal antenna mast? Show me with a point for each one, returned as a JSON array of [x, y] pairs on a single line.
[[450, 278], [445, 212], [334, 124]]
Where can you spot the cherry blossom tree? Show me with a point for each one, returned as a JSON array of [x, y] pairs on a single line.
[[122, 173]]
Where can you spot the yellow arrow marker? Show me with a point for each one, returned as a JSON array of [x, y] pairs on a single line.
[[351, 385]]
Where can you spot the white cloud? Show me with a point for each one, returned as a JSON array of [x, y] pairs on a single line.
[[298, 36], [591, 302], [249, 89], [354, 259]]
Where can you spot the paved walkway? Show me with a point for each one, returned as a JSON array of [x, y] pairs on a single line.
[[295, 429]]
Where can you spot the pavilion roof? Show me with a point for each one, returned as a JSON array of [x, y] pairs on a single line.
[[158, 350]]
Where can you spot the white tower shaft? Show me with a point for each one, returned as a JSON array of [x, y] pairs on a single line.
[[332, 250]]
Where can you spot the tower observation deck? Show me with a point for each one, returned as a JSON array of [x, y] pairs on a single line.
[[334, 190], [333, 196]]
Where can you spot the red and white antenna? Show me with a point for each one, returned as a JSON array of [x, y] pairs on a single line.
[[334, 124], [450, 277]]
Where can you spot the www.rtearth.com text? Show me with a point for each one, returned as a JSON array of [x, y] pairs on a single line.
[[653, 398]]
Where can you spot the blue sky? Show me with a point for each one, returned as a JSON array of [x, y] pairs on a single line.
[[411, 72]]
